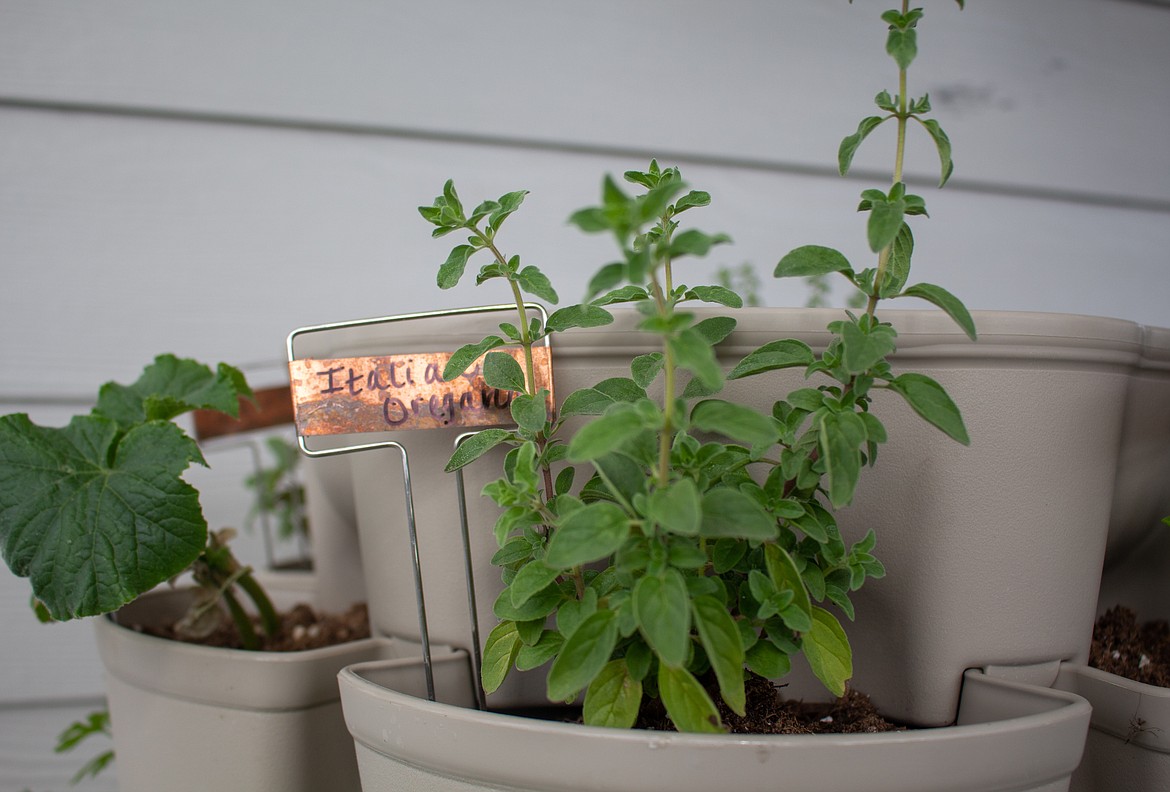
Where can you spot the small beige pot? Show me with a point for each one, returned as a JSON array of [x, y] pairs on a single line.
[[1128, 745], [190, 718], [1129, 739]]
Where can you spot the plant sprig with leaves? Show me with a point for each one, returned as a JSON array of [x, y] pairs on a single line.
[[95, 723], [678, 525], [96, 513], [685, 559]]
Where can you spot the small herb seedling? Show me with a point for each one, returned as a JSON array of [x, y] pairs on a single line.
[[683, 560], [95, 723], [278, 492]]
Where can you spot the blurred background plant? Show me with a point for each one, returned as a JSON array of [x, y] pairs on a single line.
[[279, 497]]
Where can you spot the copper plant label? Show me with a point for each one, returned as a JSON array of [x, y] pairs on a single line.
[[378, 394]]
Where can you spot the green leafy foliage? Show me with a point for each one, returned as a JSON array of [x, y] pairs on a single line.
[[614, 697], [694, 538], [95, 724], [278, 492], [827, 649], [96, 513]]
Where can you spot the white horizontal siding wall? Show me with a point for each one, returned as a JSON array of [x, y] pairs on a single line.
[[201, 178]]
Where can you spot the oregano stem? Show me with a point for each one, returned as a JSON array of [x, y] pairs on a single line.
[[902, 116], [525, 340], [668, 374]]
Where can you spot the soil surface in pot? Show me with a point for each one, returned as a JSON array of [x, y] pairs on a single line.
[[1124, 647], [768, 712], [301, 628]]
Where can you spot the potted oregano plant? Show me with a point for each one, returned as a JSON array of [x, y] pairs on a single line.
[[633, 590], [669, 524], [1042, 395], [96, 514]]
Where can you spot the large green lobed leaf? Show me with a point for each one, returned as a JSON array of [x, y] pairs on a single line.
[[95, 518]]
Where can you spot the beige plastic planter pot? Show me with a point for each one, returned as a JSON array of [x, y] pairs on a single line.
[[993, 551], [1128, 745], [197, 718], [1129, 740], [1141, 497], [1011, 737]]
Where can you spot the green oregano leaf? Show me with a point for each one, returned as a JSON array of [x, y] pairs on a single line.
[[587, 534], [530, 412], [463, 357], [767, 660], [785, 353], [785, 576], [532, 578], [583, 656], [499, 653], [537, 606], [811, 260], [841, 437], [514, 550], [586, 401], [692, 352], [861, 349], [676, 509], [613, 698], [500, 370], [719, 295], [451, 270], [898, 263], [605, 279], [476, 446], [902, 45], [692, 199], [504, 207], [628, 293], [536, 283], [664, 618], [645, 368], [942, 298], [930, 400], [714, 329], [573, 612], [578, 316], [736, 421], [850, 144], [539, 653], [885, 221], [727, 553], [724, 647], [605, 434], [731, 513], [687, 702], [943, 144], [827, 650], [695, 243]]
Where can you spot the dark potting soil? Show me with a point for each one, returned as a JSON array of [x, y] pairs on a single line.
[[1122, 646], [301, 628], [768, 712]]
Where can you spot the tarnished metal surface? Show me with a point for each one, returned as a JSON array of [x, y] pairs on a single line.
[[385, 393]]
